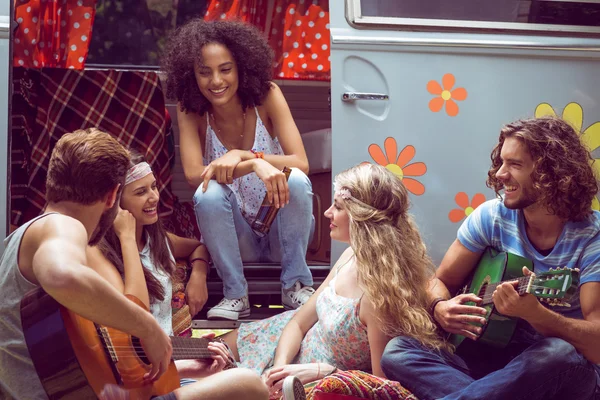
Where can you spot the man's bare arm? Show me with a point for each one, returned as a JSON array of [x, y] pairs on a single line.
[[453, 315], [457, 264], [59, 266], [583, 334]]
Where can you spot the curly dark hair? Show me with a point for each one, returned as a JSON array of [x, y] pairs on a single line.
[[562, 171], [250, 50]]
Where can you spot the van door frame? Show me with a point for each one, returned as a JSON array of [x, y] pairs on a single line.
[[5, 111]]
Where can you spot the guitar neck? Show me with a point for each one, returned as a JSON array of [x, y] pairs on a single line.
[[186, 348], [486, 290]]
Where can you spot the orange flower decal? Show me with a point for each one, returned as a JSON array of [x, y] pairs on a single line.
[[399, 165], [446, 95], [465, 209]]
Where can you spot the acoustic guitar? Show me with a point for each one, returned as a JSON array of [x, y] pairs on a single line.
[[75, 358], [554, 287]]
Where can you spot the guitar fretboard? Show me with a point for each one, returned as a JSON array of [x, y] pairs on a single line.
[[486, 291], [186, 348]]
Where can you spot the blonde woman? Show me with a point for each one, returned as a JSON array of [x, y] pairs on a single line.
[[375, 291]]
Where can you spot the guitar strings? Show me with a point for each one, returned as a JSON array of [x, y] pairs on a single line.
[[179, 349], [115, 333], [487, 296], [198, 343], [521, 287]]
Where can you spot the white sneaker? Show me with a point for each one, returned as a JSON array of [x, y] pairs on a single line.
[[296, 296], [293, 389], [232, 309]]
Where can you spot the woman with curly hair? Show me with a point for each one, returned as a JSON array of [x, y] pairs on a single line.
[[375, 291], [545, 215], [237, 129]]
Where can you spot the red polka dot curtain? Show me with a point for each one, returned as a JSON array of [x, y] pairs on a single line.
[[298, 32], [53, 33], [251, 11]]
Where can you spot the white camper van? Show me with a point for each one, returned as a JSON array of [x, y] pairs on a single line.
[[419, 86]]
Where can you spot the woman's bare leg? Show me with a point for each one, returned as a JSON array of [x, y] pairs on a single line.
[[237, 383], [230, 339]]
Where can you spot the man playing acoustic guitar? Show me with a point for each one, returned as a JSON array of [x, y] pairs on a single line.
[[85, 176], [544, 215]]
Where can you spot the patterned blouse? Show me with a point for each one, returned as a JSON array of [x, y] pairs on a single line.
[[249, 189]]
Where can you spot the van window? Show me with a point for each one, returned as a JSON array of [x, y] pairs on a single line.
[[134, 33], [520, 15]]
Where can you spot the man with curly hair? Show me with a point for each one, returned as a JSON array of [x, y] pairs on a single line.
[[545, 215], [236, 134]]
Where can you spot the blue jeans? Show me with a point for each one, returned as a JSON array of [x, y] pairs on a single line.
[[231, 241], [549, 368]]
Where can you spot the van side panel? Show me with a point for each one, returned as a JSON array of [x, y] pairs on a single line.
[[449, 94], [5, 60]]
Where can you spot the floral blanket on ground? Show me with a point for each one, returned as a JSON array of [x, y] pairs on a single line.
[[359, 385]]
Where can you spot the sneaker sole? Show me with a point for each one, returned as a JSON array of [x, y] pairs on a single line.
[[293, 389], [228, 315]]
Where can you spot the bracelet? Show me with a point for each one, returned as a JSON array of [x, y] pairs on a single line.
[[258, 154], [318, 370], [198, 259], [435, 303]]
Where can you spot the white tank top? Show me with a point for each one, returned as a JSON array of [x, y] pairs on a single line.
[[18, 379], [160, 310]]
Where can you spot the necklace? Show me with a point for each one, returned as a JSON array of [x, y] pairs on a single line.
[[219, 129]]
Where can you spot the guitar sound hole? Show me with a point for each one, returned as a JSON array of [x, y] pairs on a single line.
[[137, 345]]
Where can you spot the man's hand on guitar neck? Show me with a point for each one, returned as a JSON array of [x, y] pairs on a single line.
[[454, 316], [508, 301]]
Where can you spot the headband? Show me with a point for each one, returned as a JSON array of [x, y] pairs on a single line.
[[344, 193], [137, 172]]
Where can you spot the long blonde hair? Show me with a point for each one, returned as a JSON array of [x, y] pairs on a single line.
[[392, 262]]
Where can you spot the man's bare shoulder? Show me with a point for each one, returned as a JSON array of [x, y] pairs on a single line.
[[58, 228]]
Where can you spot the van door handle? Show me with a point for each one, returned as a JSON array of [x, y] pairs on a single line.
[[351, 96]]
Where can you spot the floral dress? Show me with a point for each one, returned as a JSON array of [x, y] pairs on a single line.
[[338, 338]]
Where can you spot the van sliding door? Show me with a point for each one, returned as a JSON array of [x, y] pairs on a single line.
[[424, 86]]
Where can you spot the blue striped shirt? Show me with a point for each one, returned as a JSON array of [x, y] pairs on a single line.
[[494, 225]]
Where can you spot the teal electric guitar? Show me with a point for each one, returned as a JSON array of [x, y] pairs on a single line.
[[554, 287]]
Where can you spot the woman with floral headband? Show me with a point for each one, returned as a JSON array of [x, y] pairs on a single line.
[[137, 256], [375, 291], [157, 248], [236, 134]]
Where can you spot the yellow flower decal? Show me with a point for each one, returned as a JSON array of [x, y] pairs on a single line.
[[400, 166], [590, 137]]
